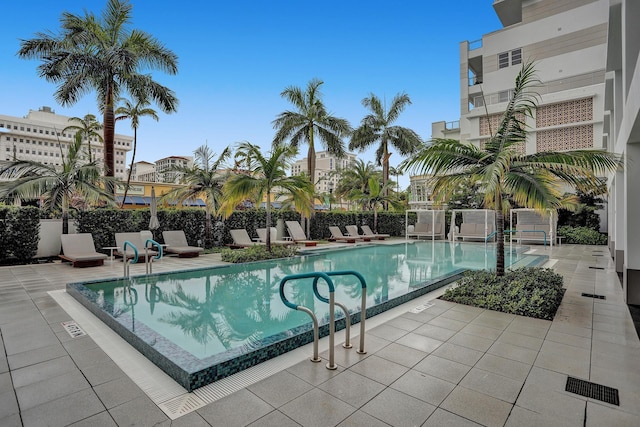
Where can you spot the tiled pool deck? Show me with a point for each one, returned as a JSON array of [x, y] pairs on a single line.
[[446, 365]]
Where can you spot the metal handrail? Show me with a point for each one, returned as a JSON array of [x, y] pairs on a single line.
[[149, 261], [363, 311], [316, 358], [126, 258]]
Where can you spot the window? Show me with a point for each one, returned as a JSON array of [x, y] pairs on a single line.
[[21, 127], [504, 96], [516, 56]]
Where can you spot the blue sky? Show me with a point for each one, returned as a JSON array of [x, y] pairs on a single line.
[[235, 58]]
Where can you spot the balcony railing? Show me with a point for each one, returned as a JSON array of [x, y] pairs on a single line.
[[475, 44], [452, 125]]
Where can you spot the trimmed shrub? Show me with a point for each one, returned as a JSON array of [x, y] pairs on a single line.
[[582, 235], [532, 292], [19, 233], [258, 253]]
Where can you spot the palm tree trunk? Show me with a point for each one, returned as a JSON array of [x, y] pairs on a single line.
[[268, 221], [207, 227], [311, 165], [499, 242], [133, 158], [109, 134], [65, 214], [385, 172]]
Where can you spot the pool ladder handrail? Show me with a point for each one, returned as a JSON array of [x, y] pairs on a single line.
[[126, 260], [345, 310], [148, 261], [331, 301]]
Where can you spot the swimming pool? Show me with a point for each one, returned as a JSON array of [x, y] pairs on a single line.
[[203, 325]]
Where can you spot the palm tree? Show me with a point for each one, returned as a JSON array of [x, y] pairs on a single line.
[[29, 179], [134, 112], [532, 181], [376, 198], [103, 54], [311, 120], [376, 128], [89, 127], [204, 180], [356, 179], [264, 179]]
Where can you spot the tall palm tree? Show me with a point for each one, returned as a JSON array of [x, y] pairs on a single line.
[[204, 180], [309, 121], [89, 127], [103, 54], [532, 181], [264, 179], [28, 179], [356, 179], [134, 112], [377, 128], [376, 198]]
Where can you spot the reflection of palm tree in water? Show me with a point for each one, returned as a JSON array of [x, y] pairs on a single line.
[[152, 294], [130, 298]]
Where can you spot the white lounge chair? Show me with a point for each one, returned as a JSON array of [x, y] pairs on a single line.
[[177, 243], [297, 234], [337, 236], [366, 230], [352, 231], [241, 239], [80, 250], [262, 237]]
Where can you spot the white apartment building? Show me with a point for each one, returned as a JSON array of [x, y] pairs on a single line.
[[567, 40], [163, 168], [143, 172], [38, 137], [326, 178], [622, 135]]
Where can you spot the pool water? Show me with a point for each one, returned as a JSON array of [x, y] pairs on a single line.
[[192, 321]]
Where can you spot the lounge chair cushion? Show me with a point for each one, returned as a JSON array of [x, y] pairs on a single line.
[[177, 243], [80, 250]]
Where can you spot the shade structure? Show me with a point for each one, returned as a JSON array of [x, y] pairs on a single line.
[[153, 209]]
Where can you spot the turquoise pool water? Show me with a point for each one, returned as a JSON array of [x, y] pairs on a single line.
[[199, 318]]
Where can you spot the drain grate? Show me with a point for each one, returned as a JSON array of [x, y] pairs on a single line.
[[596, 268], [593, 390], [593, 296]]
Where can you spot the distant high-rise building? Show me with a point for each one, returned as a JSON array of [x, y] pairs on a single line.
[[38, 137], [327, 165]]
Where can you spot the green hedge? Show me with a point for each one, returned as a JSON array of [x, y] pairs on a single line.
[[258, 253], [582, 235], [532, 292], [19, 233]]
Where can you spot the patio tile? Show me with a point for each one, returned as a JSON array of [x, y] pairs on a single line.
[[461, 315], [404, 323], [503, 366], [103, 419], [454, 325], [435, 332], [568, 339], [31, 357], [102, 372], [361, 419], [441, 418], [50, 389], [565, 359], [401, 354], [445, 369], [317, 408], [313, 373], [352, 388], [63, 411], [117, 392], [398, 409], [419, 342], [474, 342], [226, 411], [539, 397], [11, 421], [520, 340], [521, 417], [458, 354], [346, 357], [379, 369], [492, 384], [424, 387], [272, 419], [477, 407], [8, 405], [481, 331], [42, 371], [387, 332], [139, 411], [601, 415]]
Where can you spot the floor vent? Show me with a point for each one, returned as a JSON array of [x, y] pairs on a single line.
[[593, 390], [596, 268], [593, 296]]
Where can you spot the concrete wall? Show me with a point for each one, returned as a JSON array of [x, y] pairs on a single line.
[[50, 232]]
